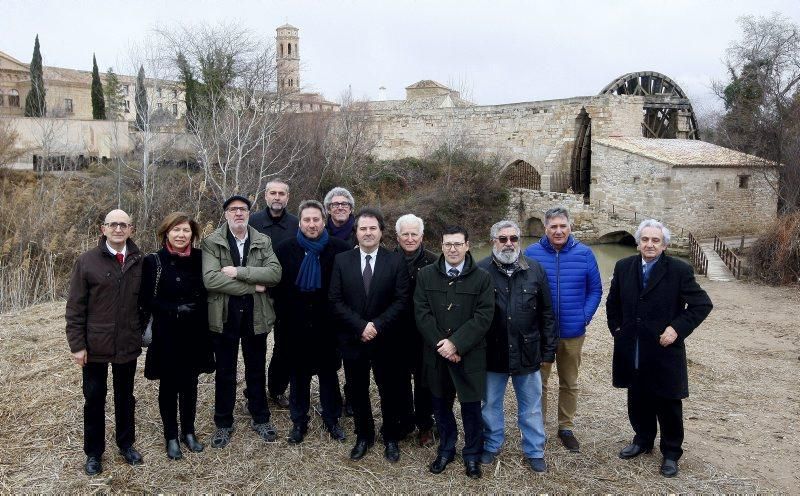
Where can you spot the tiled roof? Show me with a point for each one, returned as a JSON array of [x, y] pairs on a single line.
[[430, 102], [426, 83], [684, 152]]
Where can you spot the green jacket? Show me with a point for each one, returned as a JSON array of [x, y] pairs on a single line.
[[459, 309], [262, 268]]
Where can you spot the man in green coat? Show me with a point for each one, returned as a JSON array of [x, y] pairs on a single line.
[[454, 307], [238, 267]]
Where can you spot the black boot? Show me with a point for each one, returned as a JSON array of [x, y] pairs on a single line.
[[192, 443], [174, 449]]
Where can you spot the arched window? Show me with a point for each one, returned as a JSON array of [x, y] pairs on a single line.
[[13, 98], [290, 48], [281, 49], [291, 82], [2, 98], [521, 174]]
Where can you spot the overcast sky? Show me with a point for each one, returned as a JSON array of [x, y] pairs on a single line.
[[500, 51]]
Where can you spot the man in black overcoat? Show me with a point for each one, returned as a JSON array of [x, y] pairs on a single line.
[[369, 293], [303, 318], [653, 305]]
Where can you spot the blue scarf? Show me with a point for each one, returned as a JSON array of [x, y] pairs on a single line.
[[309, 278], [342, 232]]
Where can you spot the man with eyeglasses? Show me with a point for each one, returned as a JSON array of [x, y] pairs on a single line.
[[238, 267], [576, 291], [454, 305], [368, 292], [340, 205], [103, 327], [276, 222], [410, 231], [521, 339]]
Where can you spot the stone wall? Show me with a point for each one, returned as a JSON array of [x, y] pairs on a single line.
[[703, 200], [540, 133]]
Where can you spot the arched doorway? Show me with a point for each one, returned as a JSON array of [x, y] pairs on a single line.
[[534, 227], [521, 174], [617, 237]]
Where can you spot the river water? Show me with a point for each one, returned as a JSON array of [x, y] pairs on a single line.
[[607, 254]]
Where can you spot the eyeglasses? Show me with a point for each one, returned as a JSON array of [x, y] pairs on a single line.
[[234, 210], [339, 205], [450, 246], [117, 225], [504, 239]]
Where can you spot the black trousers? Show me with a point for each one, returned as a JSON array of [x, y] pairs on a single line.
[[356, 372], [300, 396], [278, 371], [448, 430], [177, 393], [645, 409], [95, 389], [418, 405], [226, 350]]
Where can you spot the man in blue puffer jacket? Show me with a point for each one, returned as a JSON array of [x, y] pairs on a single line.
[[576, 289]]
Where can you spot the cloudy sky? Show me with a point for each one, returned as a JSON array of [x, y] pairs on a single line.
[[498, 51]]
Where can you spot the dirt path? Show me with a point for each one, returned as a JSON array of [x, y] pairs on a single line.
[[741, 422]]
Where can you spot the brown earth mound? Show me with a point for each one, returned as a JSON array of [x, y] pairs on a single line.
[[741, 423]]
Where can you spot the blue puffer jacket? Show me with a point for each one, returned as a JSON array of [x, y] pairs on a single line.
[[574, 283]]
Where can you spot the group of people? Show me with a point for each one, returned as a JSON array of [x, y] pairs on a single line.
[[430, 328]]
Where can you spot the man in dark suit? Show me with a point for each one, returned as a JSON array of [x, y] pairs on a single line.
[[277, 223], [653, 305], [368, 294]]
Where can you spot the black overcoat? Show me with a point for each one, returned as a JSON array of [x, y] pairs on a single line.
[[181, 341], [635, 314], [303, 319]]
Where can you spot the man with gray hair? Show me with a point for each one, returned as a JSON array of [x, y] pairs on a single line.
[[418, 406], [653, 305], [522, 338], [340, 206], [576, 290]]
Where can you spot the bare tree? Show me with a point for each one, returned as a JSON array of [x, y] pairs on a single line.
[[10, 151]]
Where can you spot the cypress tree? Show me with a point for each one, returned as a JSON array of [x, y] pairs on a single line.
[[113, 96], [141, 101], [98, 100], [35, 105], [190, 89]]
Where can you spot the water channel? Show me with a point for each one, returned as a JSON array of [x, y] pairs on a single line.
[[606, 254]]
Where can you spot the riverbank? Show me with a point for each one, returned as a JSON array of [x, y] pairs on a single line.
[[741, 422]]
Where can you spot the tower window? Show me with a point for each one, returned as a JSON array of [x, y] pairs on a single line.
[[281, 49], [291, 82], [290, 48]]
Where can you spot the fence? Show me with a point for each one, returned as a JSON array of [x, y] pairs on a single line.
[[699, 260], [731, 260]]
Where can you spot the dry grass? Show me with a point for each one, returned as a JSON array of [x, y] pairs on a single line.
[[41, 438]]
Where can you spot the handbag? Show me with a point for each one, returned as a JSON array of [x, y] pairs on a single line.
[[147, 335]]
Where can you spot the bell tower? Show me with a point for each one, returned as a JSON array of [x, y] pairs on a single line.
[[287, 54]]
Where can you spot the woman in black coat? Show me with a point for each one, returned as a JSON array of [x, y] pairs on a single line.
[[172, 292]]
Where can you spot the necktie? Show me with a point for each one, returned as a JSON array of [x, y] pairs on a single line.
[[121, 258], [645, 274], [453, 272], [367, 274]]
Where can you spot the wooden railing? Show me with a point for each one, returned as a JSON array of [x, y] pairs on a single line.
[[699, 260], [731, 260]]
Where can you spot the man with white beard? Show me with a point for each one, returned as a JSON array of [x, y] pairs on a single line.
[[521, 338]]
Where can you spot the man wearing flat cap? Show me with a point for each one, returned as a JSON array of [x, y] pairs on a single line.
[[238, 267]]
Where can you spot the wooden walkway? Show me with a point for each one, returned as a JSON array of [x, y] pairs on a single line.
[[717, 270]]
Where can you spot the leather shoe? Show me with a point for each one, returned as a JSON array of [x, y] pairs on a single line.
[[392, 451], [280, 399], [297, 434], [538, 465], [425, 438], [174, 449], [487, 457], [669, 468], [191, 442], [360, 449], [131, 456], [93, 466], [633, 450], [473, 469], [336, 432], [439, 464], [569, 441]]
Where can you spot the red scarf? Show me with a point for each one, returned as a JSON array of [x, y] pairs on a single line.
[[185, 253]]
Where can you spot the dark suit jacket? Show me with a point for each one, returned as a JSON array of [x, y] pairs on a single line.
[[384, 306], [635, 314], [277, 229]]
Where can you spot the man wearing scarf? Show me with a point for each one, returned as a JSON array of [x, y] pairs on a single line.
[[340, 206], [304, 320]]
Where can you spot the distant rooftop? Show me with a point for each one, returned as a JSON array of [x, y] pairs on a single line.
[[684, 152]]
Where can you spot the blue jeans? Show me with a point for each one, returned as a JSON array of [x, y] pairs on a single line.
[[528, 389]]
